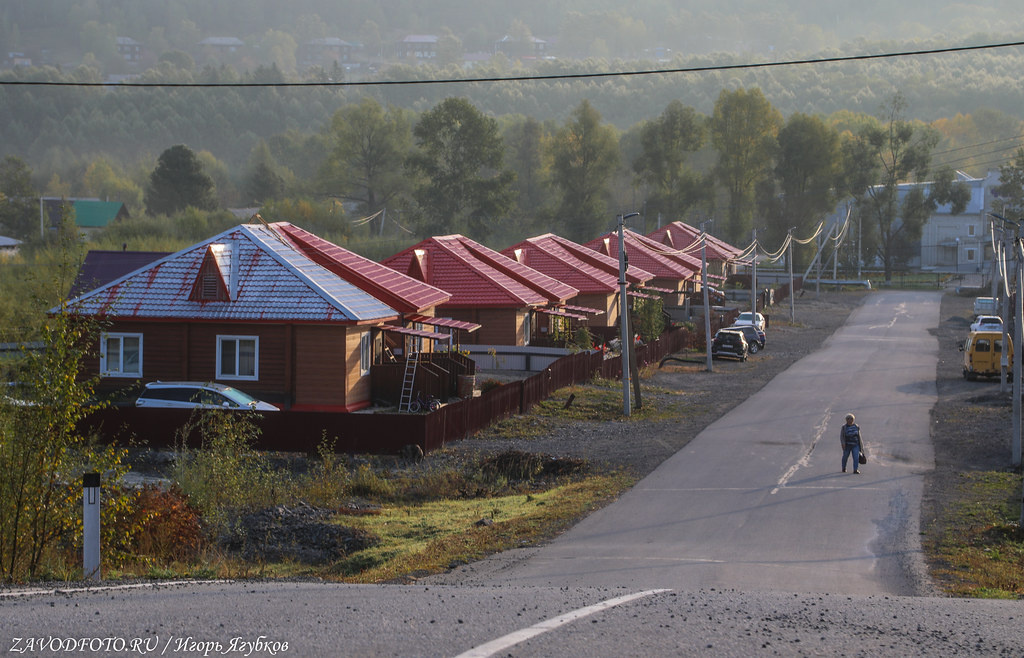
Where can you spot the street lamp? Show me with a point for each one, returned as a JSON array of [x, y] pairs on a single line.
[[624, 335]]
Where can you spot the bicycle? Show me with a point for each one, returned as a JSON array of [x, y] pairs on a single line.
[[421, 402]]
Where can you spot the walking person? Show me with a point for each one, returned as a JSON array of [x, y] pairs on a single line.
[[853, 445]]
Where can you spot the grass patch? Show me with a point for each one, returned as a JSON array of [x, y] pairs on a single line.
[[438, 535], [598, 401], [980, 554]]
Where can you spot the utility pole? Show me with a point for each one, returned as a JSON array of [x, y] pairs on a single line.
[[625, 338], [1018, 311], [753, 277], [792, 293], [704, 287]]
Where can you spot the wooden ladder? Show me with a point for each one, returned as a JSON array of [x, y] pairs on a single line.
[[405, 403]]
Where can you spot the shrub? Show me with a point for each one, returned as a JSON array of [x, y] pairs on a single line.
[[489, 384], [170, 525]]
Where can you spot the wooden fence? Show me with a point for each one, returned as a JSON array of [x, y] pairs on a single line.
[[303, 431]]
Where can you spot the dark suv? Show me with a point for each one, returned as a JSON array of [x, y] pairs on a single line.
[[731, 343], [755, 337]]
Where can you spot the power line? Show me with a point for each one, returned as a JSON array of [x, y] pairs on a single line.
[[524, 78]]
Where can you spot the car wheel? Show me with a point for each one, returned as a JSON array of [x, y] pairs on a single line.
[[754, 348]]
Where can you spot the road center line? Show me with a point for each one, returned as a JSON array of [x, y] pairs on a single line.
[[803, 461], [504, 642]]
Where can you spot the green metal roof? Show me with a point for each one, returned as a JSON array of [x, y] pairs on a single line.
[[96, 214]]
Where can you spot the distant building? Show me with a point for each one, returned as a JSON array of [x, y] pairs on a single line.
[[18, 59], [325, 52], [89, 214], [417, 47], [531, 47], [8, 247], [129, 49]]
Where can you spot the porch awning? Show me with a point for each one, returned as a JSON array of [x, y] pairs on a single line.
[[561, 313], [641, 295], [656, 289], [444, 322], [581, 309], [414, 332]]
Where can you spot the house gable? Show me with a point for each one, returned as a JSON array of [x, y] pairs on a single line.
[[211, 283]]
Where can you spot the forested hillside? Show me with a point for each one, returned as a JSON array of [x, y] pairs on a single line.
[[79, 117]]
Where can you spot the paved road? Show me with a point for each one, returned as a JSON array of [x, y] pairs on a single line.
[[748, 542], [757, 500]]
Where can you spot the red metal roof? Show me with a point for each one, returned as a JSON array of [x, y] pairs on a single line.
[[559, 312], [582, 309], [477, 276], [414, 332], [678, 235], [399, 291], [587, 270], [444, 322], [648, 255]]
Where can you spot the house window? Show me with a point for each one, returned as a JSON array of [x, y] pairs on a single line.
[[238, 357], [970, 255], [364, 353], [121, 355], [970, 229], [527, 327]]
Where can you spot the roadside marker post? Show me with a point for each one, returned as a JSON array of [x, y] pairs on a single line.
[[91, 526]]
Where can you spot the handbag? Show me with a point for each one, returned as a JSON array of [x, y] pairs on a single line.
[[863, 457]]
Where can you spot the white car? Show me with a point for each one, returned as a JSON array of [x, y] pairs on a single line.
[[749, 318], [987, 323], [197, 395]]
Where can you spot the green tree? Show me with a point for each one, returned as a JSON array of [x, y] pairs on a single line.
[[808, 173], [370, 145], [881, 157], [465, 187], [524, 142], [662, 163], [743, 130], [102, 180], [1009, 201], [43, 451], [584, 154], [179, 182], [262, 181], [19, 201], [449, 48]]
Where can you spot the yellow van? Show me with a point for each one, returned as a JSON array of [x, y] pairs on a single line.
[[983, 354]]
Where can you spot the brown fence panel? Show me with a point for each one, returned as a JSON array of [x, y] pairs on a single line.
[[290, 431]]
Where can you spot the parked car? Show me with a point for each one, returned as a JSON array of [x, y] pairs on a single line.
[[754, 319], [983, 355], [985, 306], [987, 323], [197, 395], [755, 337], [731, 343]]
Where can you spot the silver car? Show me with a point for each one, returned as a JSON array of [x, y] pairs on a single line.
[[197, 395]]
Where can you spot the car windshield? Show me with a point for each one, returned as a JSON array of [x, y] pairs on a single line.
[[240, 398]]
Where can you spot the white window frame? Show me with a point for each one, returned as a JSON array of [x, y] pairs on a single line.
[[221, 340], [365, 353], [118, 370]]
